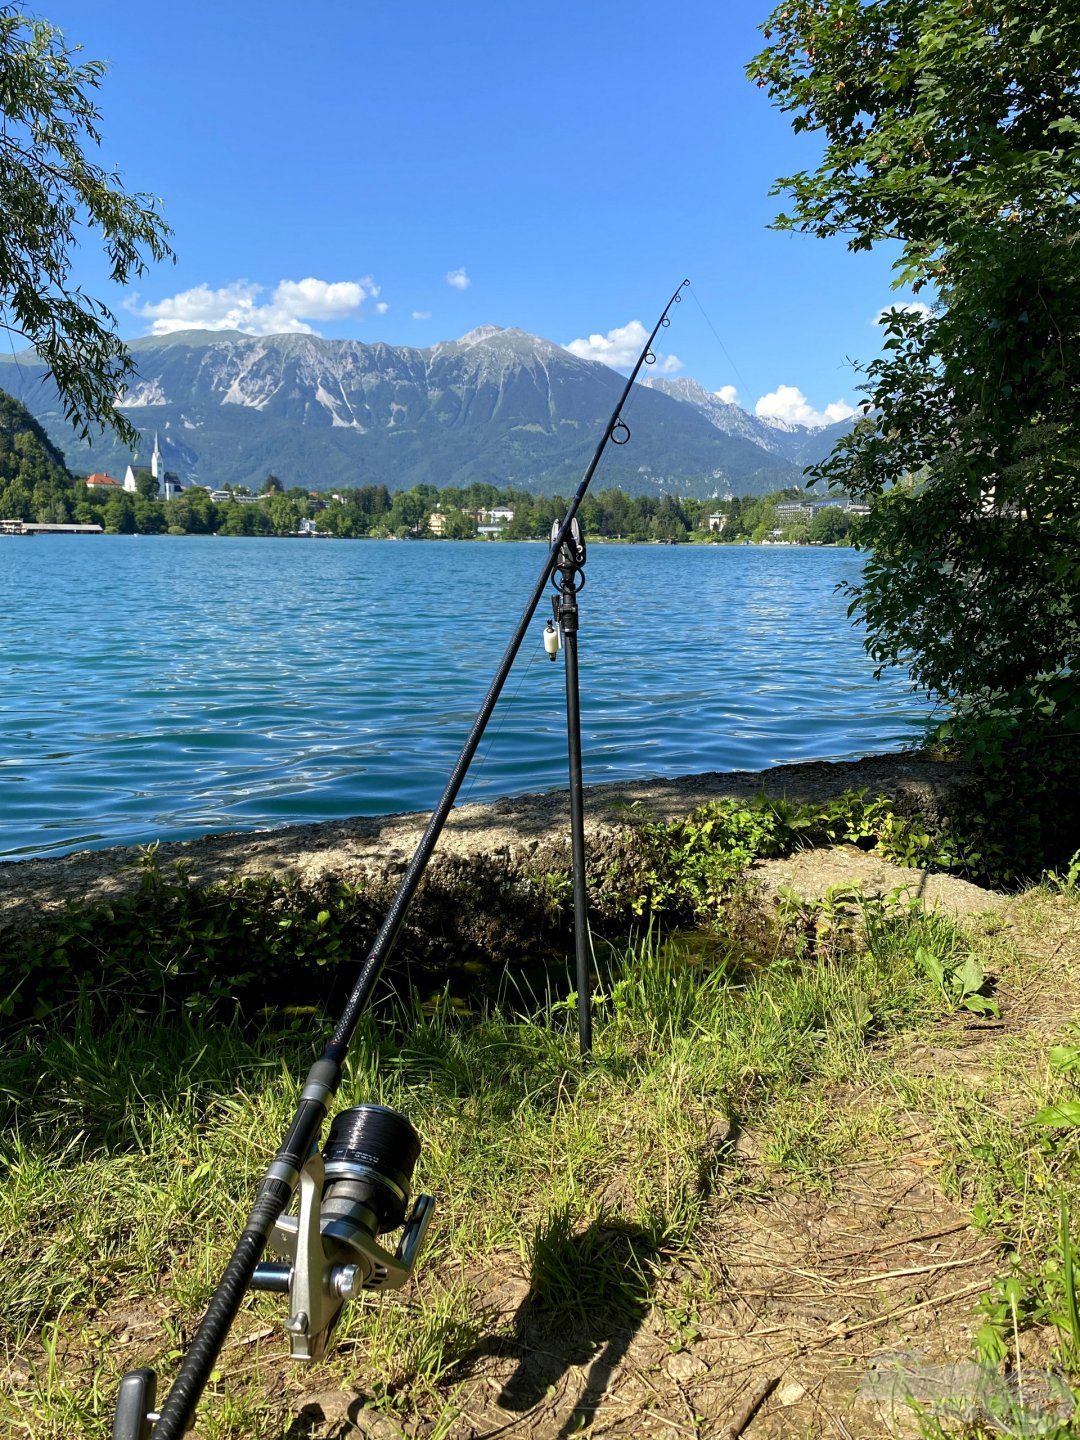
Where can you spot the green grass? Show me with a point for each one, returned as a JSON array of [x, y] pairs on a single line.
[[132, 1151]]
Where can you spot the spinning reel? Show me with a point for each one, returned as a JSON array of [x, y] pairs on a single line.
[[355, 1191]]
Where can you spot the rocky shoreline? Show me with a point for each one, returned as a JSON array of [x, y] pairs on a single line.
[[524, 837]]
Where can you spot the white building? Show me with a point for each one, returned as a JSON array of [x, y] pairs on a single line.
[[155, 470]]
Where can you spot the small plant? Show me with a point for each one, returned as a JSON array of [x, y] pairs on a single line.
[[1069, 1321], [1068, 881], [961, 980], [1064, 1060]]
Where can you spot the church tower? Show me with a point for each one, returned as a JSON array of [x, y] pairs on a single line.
[[155, 460]]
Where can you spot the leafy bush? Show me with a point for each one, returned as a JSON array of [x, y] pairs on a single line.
[[172, 940], [686, 868], [267, 939], [1026, 819]]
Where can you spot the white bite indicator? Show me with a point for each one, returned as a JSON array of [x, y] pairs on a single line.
[[552, 640]]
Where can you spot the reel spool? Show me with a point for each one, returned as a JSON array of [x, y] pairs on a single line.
[[355, 1191]]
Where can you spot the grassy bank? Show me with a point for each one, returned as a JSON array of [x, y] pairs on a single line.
[[818, 1133], [583, 1247]]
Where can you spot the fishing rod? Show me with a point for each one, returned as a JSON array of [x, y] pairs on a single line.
[[358, 1188]]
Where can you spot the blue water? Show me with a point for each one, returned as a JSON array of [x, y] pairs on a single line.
[[166, 687]]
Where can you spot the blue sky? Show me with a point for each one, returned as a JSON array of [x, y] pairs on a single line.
[[569, 162]]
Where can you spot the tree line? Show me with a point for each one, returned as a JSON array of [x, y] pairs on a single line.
[[34, 487]]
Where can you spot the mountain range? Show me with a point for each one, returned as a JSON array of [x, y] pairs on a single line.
[[497, 405]]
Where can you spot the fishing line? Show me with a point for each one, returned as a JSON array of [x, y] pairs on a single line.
[[716, 335]]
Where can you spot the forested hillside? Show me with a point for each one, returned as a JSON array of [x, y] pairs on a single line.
[[34, 483]]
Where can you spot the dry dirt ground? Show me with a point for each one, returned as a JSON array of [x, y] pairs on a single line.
[[795, 1292]]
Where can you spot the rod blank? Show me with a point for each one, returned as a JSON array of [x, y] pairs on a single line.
[[275, 1192]]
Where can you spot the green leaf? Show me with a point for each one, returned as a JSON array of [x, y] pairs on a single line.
[[931, 964], [1064, 1058], [981, 1005], [1064, 1115]]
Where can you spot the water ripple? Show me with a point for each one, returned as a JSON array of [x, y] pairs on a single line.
[[167, 687]]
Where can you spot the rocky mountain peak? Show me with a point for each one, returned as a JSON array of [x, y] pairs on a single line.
[[482, 332], [685, 387]]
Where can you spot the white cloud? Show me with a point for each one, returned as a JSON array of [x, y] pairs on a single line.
[[239, 306], [381, 308], [458, 279], [910, 307], [787, 405], [728, 394], [320, 299], [421, 314], [620, 347]]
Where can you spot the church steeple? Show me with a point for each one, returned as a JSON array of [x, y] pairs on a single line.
[[155, 459]]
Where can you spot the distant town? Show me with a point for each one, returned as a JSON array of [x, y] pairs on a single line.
[[154, 501]]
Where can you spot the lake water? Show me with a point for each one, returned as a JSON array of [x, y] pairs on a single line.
[[166, 687]]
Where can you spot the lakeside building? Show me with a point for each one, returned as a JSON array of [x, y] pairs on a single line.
[[100, 481], [717, 522], [28, 527], [437, 522], [790, 512], [493, 522]]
